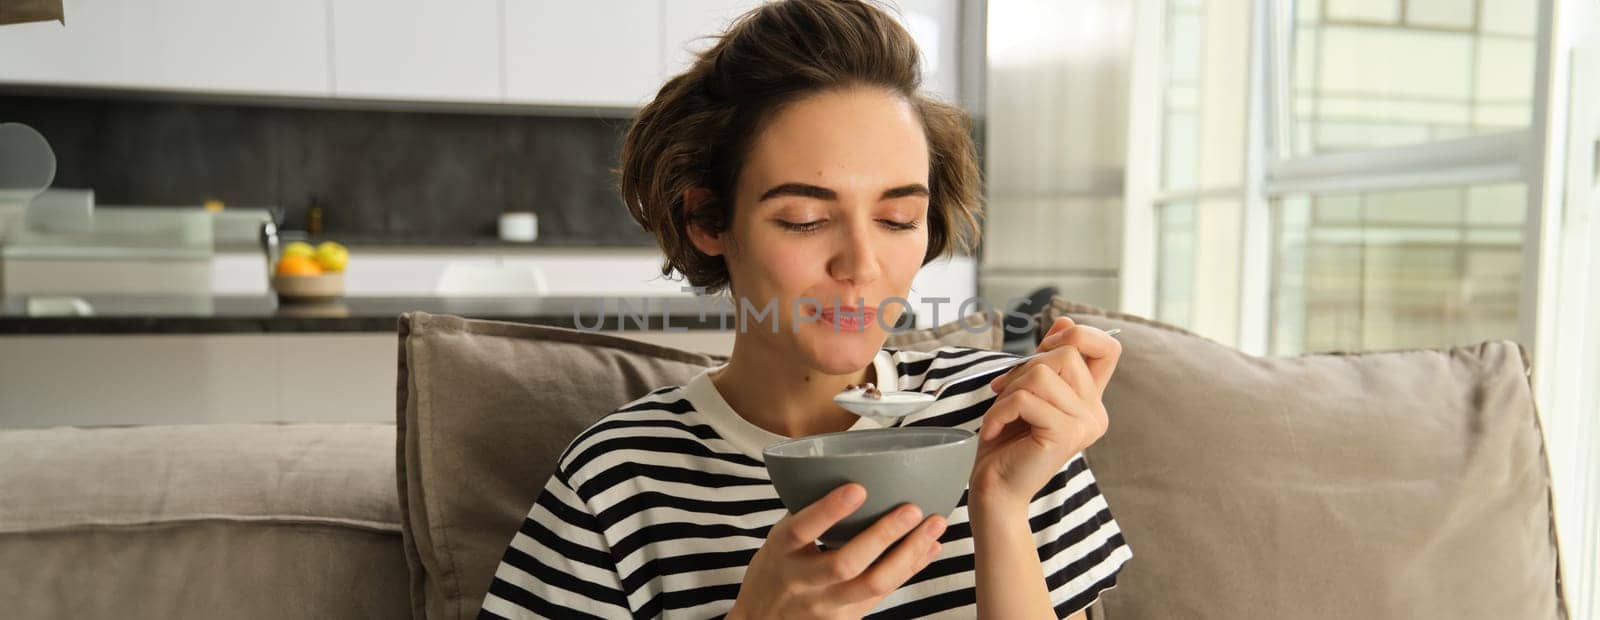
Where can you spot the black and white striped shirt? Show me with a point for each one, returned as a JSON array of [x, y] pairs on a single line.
[[656, 510]]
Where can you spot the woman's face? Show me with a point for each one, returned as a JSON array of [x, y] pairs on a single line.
[[831, 205]]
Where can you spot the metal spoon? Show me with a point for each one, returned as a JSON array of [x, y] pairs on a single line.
[[898, 404]]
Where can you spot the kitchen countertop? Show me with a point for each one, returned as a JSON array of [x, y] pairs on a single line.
[[264, 314], [399, 241], [494, 247]]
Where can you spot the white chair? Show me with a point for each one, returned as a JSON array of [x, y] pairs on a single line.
[[485, 279]]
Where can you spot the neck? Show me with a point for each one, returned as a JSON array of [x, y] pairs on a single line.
[[782, 398]]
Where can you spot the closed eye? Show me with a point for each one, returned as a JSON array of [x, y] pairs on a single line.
[[802, 226], [812, 226]]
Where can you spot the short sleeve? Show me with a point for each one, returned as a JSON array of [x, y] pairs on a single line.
[[558, 564], [1080, 546]]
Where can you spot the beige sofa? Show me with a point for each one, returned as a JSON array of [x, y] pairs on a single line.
[[1408, 484]]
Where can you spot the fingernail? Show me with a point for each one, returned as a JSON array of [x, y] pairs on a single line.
[[853, 495], [911, 515], [938, 529]]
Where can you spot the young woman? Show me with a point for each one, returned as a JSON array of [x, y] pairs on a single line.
[[796, 161]]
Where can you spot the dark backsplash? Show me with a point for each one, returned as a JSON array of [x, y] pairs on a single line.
[[414, 177]]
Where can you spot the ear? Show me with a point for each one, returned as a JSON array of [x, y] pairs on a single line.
[[709, 243]]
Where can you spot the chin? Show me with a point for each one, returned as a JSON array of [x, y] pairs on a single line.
[[842, 352]]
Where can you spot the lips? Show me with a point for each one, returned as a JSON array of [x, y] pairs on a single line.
[[849, 318]]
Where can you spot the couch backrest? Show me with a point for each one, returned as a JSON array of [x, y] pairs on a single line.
[[486, 407], [1398, 484]]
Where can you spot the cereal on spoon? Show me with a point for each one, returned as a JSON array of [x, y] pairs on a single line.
[[869, 390]]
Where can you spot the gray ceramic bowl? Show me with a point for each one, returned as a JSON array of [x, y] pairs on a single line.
[[926, 466]]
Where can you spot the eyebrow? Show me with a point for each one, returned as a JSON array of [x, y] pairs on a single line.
[[804, 190]]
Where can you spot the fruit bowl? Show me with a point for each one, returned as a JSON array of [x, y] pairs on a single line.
[[319, 288], [307, 274]]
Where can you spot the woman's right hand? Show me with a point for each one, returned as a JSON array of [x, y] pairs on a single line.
[[790, 577]]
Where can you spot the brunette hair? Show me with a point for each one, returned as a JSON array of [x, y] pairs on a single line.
[[702, 123]]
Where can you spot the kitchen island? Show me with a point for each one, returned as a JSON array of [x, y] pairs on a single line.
[[132, 315], [99, 360]]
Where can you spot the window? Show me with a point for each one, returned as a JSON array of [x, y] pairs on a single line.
[[1375, 73], [1395, 173], [1396, 269], [1391, 191], [1198, 205]]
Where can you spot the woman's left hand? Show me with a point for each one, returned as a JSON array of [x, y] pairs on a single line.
[[1048, 410]]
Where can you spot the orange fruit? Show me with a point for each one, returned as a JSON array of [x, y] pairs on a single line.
[[295, 265]]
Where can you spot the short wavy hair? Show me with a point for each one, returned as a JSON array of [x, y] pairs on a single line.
[[700, 126]]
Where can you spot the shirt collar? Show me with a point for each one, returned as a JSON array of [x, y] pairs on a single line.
[[750, 439]]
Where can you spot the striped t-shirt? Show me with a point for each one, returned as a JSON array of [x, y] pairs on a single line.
[[656, 510]]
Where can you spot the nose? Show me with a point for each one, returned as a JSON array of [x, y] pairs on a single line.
[[857, 257]]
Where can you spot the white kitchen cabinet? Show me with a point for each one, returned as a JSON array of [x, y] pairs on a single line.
[[593, 53], [88, 50], [226, 46], [540, 52], [691, 26], [423, 50]]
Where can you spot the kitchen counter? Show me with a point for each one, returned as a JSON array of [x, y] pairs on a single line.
[[542, 244], [246, 358], [264, 314]]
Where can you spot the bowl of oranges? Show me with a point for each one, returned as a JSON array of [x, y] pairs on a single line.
[[310, 274]]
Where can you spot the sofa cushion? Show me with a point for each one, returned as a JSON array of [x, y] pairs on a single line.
[[226, 520], [486, 407], [1401, 484], [979, 330]]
